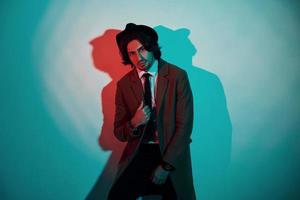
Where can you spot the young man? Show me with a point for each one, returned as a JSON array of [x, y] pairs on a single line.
[[154, 115]]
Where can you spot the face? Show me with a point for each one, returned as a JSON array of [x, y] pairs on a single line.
[[139, 56]]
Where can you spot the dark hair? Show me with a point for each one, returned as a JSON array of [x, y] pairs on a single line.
[[147, 41]]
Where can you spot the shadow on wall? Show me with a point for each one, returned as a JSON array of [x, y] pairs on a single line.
[[212, 131], [106, 58], [211, 146]]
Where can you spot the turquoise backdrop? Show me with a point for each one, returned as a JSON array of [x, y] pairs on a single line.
[[57, 87]]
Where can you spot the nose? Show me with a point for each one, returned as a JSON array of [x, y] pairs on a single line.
[[139, 56]]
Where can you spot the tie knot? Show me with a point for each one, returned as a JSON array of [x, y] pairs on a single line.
[[146, 75]]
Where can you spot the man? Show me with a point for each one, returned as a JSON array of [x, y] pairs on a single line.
[[154, 115]]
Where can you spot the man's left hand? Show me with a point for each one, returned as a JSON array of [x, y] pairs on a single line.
[[160, 175]]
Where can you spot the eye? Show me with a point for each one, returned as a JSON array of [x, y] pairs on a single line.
[[142, 49]]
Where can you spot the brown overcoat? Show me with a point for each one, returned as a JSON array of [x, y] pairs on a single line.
[[174, 102]]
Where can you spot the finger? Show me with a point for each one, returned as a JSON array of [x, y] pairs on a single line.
[[146, 109], [141, 105], [147, 119], [147, 114], [157, 181], [163, 181]]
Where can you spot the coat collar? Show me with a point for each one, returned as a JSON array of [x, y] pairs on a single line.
[[163, 70]]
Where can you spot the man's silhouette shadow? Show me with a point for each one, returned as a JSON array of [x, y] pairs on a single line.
[[211, 137], [211, 146], [106, 58]]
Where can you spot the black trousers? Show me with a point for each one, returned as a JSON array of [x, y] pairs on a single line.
[[136, 180]]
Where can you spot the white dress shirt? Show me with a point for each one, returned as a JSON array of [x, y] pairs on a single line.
[[153, 79]]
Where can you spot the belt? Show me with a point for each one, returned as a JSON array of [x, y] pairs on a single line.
[[150, 142]]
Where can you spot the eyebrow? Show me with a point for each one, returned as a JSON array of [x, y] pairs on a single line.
[[137, 49]]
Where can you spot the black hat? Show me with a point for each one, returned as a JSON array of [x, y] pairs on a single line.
[[133, 29]]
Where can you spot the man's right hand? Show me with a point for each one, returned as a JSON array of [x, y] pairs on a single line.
[[141, 116]]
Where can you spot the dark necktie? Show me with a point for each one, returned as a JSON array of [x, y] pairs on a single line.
[[147, 90], [150, 128]]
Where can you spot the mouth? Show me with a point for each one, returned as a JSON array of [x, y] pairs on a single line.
[[142, 63]]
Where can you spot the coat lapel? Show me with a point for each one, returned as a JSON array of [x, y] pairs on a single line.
[[162, 82], [136, 86]]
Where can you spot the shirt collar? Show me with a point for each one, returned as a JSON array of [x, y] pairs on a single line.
[[153, 70]]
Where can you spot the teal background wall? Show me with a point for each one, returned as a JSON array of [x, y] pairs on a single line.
[[51, 106]]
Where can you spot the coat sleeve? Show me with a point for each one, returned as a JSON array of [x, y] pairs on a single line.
[[122, 126], [184, 121]]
